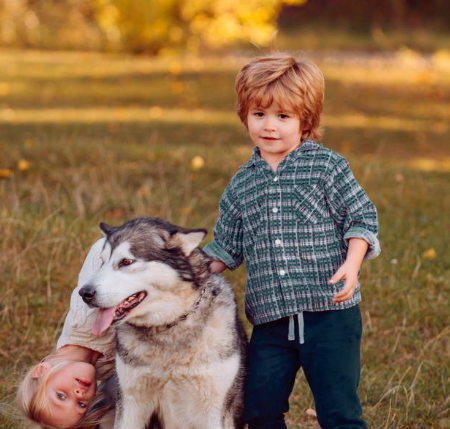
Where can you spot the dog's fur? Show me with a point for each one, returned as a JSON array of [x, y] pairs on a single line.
[[181, 351]]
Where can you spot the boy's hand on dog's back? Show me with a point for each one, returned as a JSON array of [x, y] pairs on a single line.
[[357, 248], [217, 267]]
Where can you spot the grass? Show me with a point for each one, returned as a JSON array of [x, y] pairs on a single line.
[[89, 138]]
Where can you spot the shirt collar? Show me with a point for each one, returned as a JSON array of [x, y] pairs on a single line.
[[305, 146]]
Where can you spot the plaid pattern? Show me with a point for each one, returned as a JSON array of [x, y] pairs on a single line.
[[291, 227]]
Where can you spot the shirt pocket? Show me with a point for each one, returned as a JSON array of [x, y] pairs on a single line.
[[309, 204], [313, 234]]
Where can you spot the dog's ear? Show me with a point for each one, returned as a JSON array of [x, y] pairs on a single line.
[[106, 229], [187, 240]]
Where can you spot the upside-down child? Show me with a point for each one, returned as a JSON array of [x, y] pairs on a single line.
[[61, 391], [303, 225]]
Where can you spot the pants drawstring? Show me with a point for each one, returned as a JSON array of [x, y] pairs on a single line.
[[301, 328], [291, 334]]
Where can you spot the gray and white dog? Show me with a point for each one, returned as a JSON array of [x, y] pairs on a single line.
[[181, 349]]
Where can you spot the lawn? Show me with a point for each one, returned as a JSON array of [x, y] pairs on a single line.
[[88, 138]]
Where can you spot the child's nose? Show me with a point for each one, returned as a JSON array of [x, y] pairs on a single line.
[[79, 391], [269, 125]]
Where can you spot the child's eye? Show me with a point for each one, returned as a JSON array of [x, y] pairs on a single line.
[[82, 405], [61, 396], [283, 116], [259, 114]]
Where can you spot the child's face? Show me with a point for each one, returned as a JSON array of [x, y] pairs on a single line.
[[276, 132], [68, 393]]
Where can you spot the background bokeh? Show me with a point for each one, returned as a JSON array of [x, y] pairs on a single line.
[[113, 109]]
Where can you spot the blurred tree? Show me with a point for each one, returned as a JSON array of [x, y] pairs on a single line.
[[49, 24], [164, 25], [363, 15], [153, 26]]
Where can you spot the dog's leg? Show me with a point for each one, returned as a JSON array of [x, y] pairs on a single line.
[[133, 414], [136, 404]]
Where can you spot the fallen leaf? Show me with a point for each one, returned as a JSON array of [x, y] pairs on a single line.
[[23, 165], [430, 254], [197, 163], [5, 173]]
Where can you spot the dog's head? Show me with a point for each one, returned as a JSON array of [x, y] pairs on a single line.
[[150, 275]]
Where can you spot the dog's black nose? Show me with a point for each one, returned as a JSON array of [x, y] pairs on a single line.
[[87, 292]]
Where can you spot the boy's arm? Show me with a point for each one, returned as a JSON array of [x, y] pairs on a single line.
[[217, 267], [357, 248], [226, 248], [351, 208]]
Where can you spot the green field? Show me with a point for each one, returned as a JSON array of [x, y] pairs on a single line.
[[89, 138]]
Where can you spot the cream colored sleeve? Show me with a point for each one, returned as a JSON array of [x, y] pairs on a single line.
[[80, 318]]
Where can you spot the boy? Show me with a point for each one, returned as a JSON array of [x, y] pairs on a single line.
[[303, 225]]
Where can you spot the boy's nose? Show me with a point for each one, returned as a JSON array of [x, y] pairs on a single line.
[[270, 125]]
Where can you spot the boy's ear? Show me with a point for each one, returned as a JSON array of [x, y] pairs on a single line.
[[40, 369]]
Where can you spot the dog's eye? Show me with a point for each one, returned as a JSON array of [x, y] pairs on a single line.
[[125, 262]]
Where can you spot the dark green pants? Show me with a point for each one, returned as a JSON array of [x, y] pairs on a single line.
[[329, 357]]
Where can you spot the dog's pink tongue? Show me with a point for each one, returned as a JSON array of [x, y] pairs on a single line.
[[104, 319]]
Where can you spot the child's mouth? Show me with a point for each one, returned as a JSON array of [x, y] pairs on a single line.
[[84, 383]]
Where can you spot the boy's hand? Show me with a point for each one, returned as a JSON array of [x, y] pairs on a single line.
[[217, 267], [345, 272], [357, 248]]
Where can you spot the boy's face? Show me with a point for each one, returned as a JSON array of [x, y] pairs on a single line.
[[275, 131]]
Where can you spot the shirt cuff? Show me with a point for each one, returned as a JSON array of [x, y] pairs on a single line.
[[218, 253], [359, 232]]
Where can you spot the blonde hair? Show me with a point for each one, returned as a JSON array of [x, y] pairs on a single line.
[[297, 85], [30, 399]]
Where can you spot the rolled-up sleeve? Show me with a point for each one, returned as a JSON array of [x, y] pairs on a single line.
[[228, 233], [352, 209]]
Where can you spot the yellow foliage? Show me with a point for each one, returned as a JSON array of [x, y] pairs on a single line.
[[160, 25], [4, 88], [441, 59]]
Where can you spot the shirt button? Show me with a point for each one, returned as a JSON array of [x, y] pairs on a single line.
[[275, 179], [275, 210], [282, 273], [278, 242]]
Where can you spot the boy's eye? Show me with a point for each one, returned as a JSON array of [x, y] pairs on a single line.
[[259, 114], [283, 116], [61, 396]]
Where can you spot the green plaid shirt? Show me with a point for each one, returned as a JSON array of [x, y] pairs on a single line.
[[292, 228]]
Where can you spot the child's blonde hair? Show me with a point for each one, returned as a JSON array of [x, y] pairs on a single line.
[[294, 85], [30, 399]]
